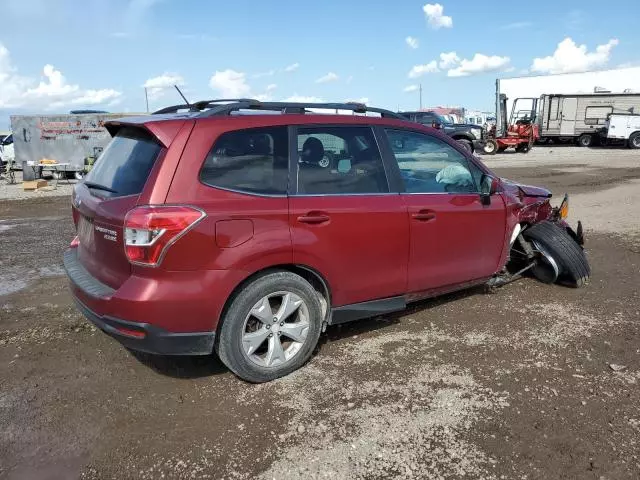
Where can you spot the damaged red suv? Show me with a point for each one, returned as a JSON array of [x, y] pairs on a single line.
[[218, 227]]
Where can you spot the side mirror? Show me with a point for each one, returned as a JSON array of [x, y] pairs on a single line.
[[488, 186]]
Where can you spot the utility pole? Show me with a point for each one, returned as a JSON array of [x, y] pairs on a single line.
[[146, 97], [420, 96]]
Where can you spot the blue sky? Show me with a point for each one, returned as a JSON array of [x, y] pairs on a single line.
[[56, 55]]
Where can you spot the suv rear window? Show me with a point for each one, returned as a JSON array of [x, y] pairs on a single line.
[[252, 160], [125, 164]]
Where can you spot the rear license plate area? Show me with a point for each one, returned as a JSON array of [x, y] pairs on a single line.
[[85, 231]]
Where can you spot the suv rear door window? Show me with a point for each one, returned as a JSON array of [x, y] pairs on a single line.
[[252, 160], [339, 161], [124, 166]]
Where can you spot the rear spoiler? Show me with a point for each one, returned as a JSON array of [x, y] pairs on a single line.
[[164, 130]]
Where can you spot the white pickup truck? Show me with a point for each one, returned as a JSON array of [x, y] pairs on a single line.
[[7, 153], [623, 127]]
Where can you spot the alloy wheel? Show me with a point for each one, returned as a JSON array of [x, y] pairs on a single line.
[[275, 329]]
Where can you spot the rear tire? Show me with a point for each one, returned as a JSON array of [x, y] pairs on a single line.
[[490, 147], [573, 267], [248, 321], [585, 140], [466, 144], [634, 140], [523, 148]]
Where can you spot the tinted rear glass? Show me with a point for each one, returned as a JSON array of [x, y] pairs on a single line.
[[125, 164], [253, 160]]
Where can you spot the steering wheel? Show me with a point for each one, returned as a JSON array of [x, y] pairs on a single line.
[[326, 161]]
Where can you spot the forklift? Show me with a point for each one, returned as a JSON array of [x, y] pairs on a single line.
[[520, 133]]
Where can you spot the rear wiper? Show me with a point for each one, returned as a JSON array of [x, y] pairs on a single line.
[[97, 186]]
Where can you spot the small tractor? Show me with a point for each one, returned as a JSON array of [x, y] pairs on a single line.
[[520, 133]]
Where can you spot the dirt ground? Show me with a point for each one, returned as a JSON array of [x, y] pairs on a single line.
[[530, 382]]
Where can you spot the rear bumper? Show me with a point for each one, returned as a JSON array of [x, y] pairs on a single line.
[[144, 337], [136, 316]]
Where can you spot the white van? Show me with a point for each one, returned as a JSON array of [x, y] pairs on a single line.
[[625, 127]]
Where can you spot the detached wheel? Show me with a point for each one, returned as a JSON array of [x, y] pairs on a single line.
[[634, 140], [490, 147], [271, 327], [466, 144], [561, 258], [585, 140]]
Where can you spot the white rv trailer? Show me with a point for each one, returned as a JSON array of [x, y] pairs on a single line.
[[625, 80], [580, 116]]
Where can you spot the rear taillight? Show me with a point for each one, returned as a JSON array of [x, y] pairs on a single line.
[[149, 231]]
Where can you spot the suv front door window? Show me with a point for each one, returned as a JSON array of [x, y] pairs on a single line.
[[454, 237], [343, 219]]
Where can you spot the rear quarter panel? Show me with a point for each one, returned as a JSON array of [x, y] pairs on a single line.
[[241, 231]]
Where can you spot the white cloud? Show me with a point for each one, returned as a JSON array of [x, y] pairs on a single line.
[[271, 87], [157, 86], [329, 77], [419, 70], [98, 97], [269, 73], [303, 99], [480, 63], [51, 92], [435, 16], [448, 60], [569, 57], [230, 84], [412, 42], [292, 68], [410, 88]]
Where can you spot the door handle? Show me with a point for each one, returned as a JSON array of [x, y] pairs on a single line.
[[424, 215], [314, 218]]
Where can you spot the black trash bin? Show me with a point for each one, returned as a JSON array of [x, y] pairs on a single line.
[[31, 172]]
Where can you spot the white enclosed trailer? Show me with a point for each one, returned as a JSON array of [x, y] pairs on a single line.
[[624, 80], [68, 139]]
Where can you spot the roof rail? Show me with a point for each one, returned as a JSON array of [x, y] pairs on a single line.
[[201, 105], [210, 109]]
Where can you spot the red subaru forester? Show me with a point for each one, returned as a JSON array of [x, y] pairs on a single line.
[[247, 227]]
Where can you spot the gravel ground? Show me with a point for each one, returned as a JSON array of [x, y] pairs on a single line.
[[533, 381], [16, 192]]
